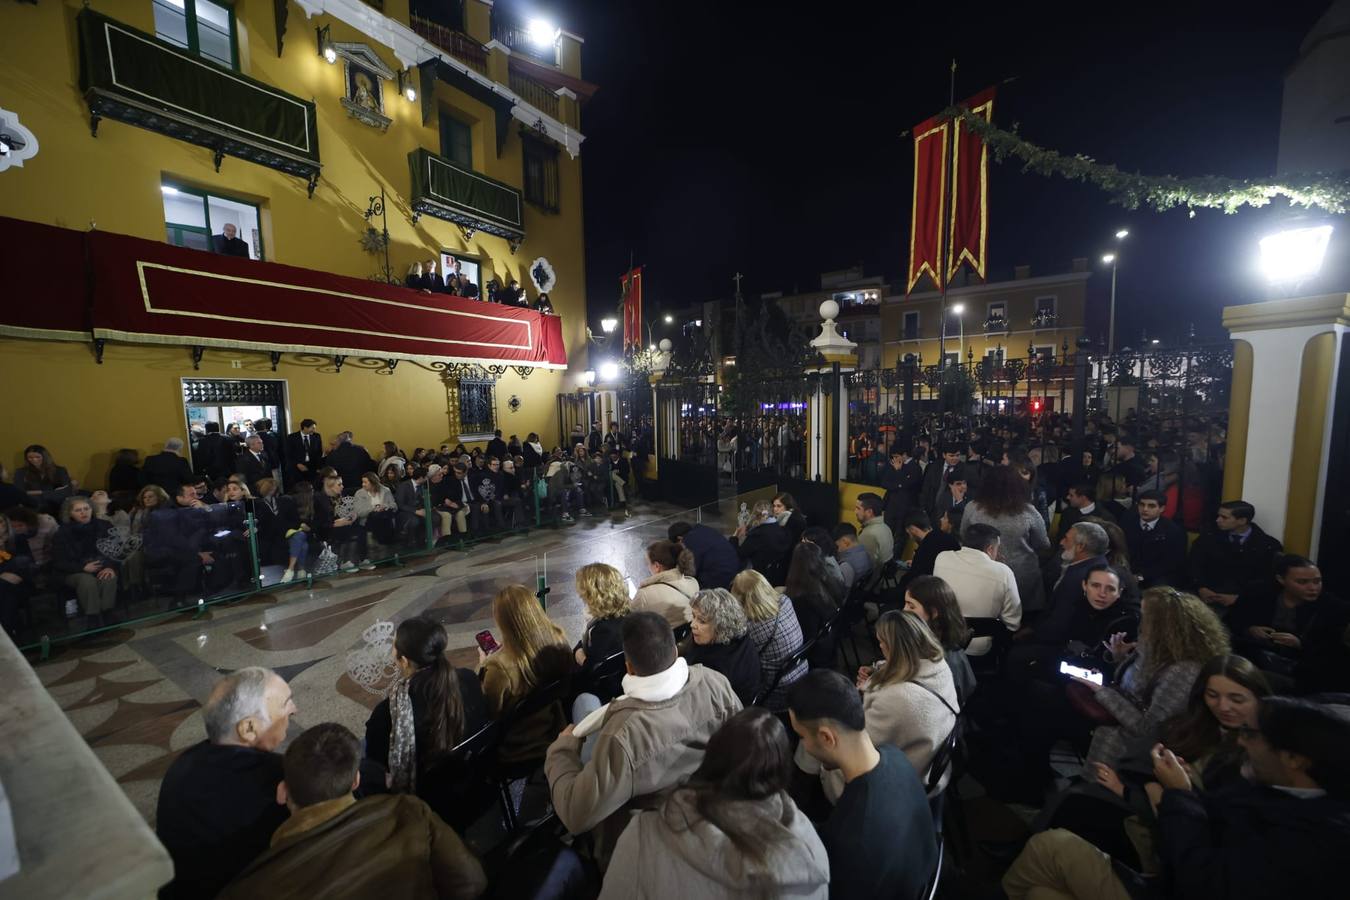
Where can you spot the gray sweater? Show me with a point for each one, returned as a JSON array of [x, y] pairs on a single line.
[[1023, 538], [673, 851]]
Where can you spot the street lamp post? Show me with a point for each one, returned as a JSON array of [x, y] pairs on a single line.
[[1113, 260], [960, 308]]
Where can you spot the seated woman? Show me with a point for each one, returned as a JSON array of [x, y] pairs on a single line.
[[431, 707], [730, 831], [773, 630], [533, 653], [148, 498], [342, 532], [43, 482], [83, 567], [16, 578], [1224, 699], [671, 585], [376, 510], [1178, 634], [933, 600], [281, 534], [809, 589], [605, 595], [393, 459], [718, 640], [1075, 631], [909, 699], [1295, 628]]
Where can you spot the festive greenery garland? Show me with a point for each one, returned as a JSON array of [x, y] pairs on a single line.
[[1327, 191]]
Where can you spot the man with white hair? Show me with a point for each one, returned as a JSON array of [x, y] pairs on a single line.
[[167, 469], [253, 463], [1083, 546], [217, 804]]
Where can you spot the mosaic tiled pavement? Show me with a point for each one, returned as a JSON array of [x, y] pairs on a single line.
[[135, 693]]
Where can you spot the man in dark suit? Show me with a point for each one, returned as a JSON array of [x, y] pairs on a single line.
[[431, 279], [1082, 547], [271, 442], [1157, 544], [351, 461], [928, 543], [228, 242], [253, 463], [1238, 558], [304, 453], [935, 479], [497, 447], [167, 469], [902, 480], [1082, 502], [214, 454]]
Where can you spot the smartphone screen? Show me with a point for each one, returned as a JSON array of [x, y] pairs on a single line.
[[1080, 672], [487, 642]]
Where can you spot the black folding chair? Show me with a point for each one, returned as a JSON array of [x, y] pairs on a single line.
[[788, 665], [541, 698], [989, 665], [605, 679], [459, 785], [945, 765]]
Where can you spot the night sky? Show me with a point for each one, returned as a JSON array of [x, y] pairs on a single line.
[[747, 136]]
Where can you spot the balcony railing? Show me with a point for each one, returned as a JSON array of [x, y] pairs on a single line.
[[537, 95], [1044, 319], [132, 77], [996, 324], [517, 39], [456, 43], [471, 200]]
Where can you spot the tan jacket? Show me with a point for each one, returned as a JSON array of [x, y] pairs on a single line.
[[505, 685], [362, 849], [642, 751], [667, 594]]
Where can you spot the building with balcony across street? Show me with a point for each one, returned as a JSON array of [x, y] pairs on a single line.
[[1027, 316], [859, 297], [209, 206]]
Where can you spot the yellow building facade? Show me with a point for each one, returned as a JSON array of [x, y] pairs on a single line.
[[1002, 318], [118, 181]]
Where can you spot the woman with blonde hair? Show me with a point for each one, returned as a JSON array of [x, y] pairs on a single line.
[[671, 585], [533, 653], [774, 630], [1178, 634], [909, 700], [605, 595]]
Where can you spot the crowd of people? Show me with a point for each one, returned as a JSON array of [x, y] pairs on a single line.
[[174, 527], [425, 276]]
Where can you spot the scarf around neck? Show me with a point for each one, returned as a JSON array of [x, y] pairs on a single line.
[[402, 740], [651, 688]]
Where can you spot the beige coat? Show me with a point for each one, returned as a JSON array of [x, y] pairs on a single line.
[[642, 750], [667, 594]]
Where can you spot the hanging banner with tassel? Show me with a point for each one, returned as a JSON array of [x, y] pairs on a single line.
[[970, 190]]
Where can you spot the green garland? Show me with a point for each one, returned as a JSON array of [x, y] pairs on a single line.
[[1327, 191]]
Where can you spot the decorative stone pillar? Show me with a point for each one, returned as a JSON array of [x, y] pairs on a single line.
[[827, 459], [1286, 366]]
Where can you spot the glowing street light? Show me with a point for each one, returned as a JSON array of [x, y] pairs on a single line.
[[609, 371], [1294, 255], [542, 32], [1109, 258], [608, 324], [669, 318], [1122, 234]]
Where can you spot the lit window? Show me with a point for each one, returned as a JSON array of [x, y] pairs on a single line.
[[203, 27], [199, 220]]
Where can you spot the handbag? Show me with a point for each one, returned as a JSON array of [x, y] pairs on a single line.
[[1084, 702]]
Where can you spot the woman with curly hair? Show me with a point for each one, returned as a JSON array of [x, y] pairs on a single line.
[[1178, 634], [718, 630], [605, 595], [1004, 501]]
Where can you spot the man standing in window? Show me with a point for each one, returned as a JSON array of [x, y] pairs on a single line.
[[228, 242]]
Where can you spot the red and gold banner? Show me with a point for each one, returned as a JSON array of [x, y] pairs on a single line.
[[631, 291], [115, 287], [930, 194], [970, 191]]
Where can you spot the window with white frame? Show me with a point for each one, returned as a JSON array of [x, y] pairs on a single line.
[[196, 219], [996, 317]]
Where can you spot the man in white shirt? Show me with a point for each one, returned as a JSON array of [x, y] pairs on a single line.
[[985, 588]]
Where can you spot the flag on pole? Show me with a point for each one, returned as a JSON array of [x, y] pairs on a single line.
[[631, 292], [970, 190], [930, 196], [950, 192]]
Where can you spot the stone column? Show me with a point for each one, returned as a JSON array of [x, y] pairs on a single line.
[[826, 409], [1285, 370]]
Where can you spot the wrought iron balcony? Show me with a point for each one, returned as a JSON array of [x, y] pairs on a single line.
[[996, 324], [456, 43], [471, 200], [133, 77], [537, 95], [1044, 319], [517, 39]]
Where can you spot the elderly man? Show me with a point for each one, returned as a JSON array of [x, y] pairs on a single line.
[[229, 243], [253, 463], [1083, 546], [218, 801], [334, 845], [167, 469], [646, 741]]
